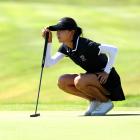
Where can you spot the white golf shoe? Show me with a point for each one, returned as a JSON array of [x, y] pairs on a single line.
[[93, 104], [102, 108]]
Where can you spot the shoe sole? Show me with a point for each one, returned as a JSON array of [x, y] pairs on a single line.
[[87, 114]]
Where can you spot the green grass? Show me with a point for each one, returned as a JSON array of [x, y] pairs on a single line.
[[21, 49], [68, 125]]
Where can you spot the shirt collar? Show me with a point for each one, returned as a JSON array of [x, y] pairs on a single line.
[[76, 45]]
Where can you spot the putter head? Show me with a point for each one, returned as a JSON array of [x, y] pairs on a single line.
[[35, 115]]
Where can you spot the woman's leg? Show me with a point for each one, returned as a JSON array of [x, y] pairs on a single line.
[[89, 85], [66, 83]]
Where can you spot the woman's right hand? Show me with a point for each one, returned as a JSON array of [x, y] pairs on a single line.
[[44, 32]]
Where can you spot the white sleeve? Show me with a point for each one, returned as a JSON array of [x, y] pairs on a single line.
[[51, 60], [111, 52]]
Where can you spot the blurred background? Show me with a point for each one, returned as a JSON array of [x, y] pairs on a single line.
[[21, 47]]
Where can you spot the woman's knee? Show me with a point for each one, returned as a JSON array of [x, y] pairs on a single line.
[[79, 82], [61, 81], [65, 80]]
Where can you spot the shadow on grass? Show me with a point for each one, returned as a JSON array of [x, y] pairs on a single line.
[[130, 114], [120, 114]]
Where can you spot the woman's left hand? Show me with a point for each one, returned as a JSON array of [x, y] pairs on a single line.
[[102, 77]]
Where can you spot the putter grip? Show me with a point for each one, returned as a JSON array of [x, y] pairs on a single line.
[[45, 49]]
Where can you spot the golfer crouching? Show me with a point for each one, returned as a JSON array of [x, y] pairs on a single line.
[[100, 84]]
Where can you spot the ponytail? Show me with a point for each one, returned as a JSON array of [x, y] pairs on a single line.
[[78, 32]]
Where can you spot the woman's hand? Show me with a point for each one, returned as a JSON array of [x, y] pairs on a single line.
[[102, 77], [44, 32]]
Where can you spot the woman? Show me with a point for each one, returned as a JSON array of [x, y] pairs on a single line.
[[101, 83]]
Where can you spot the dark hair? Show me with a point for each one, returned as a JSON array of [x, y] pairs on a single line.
[[78, 32]]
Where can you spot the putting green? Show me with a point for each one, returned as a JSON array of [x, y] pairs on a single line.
[[69, 125]]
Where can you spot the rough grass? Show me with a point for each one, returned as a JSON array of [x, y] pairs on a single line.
[[83, 2]]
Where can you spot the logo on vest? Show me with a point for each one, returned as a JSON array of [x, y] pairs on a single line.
[[82, 57]]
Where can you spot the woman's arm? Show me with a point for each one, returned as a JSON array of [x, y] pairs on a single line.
[[111, 52], [51, 60]]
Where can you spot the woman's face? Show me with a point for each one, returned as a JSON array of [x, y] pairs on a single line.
[[65, 35]]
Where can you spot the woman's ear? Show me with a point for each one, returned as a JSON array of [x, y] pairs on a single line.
[[72, 33]]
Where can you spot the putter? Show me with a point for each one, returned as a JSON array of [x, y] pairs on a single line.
[[42, 66]]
